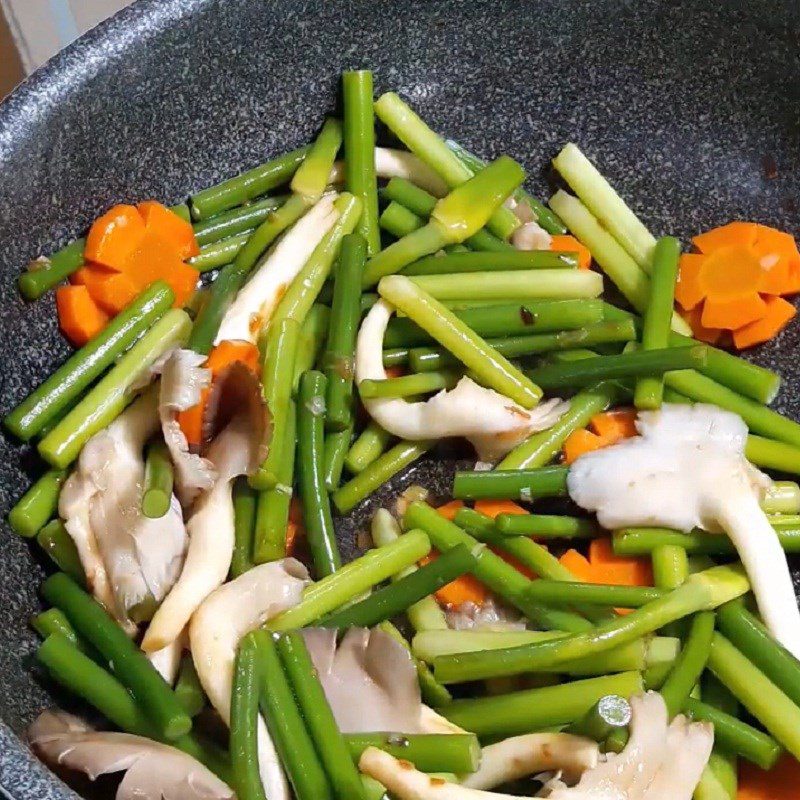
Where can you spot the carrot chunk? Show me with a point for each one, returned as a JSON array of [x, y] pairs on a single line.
[[732, 312], [778, 314], [699, 331], [114, 236], [607, 428], [577, 564], [734, 233], [154, 259], [79, 316], [221, 356], [113, 293], [491, 508], [464, 589], [688, 291], [569, 244], [449, 510], [621, 570], [167, 225], [617, 424], [779, 783]]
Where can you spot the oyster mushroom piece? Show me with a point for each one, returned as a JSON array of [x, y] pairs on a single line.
[[530, 754], [259, 297], [371, 683], [391, 163], [237, 450], [217, 626], [152, 770], [183, 380], [129, 559], [647, 769], [696, 454], [493, 423]]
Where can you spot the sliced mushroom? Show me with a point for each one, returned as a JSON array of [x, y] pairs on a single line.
[[688, 750], [494, 424], [390, 163], [130, 560], [210, 528], [152, 771], [221, 621], [239, 427], [520, 756], [256, 301], [371, 683], [644, 770], [695, 453], [404, 782], [183, 380], [369, 680], [530, 236], [167, 661]]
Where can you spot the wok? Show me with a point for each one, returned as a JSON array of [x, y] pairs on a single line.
[[688, 106]]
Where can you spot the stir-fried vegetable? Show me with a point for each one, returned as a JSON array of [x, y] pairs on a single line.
[[171, 499]]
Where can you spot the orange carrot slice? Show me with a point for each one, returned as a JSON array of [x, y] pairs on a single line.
[[221, 356], [449, 510], [779, 783], [491, 508], [114, 293], [569, 244], [167, 225], [580, 442], [577, 564], [79, 316], [778, 314], [742, 234], [699, 331], [732, 312], [615, 425], [464, 589], [688, 291], [114, 236], [607, 428], [154, 259], [621, 570]]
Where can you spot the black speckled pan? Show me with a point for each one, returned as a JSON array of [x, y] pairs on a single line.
[[680, 103]]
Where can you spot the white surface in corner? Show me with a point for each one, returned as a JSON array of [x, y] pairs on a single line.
[[43, 27]]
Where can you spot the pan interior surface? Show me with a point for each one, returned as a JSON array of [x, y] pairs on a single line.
[[680, 104]]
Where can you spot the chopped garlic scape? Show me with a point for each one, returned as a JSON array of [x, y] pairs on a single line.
[[687, 470], [493, 423], [256, 302], [391, 163]]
